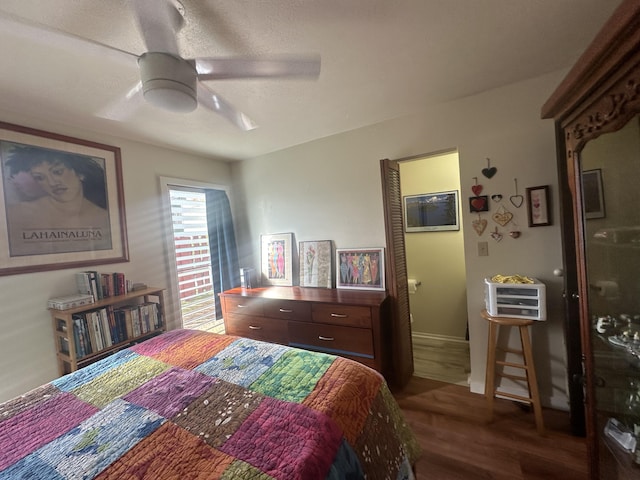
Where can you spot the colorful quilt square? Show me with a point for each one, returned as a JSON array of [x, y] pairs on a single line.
[[68, 383], [27, 401], [120, 380], [217, 414], [30, 468], [171, 391], [193, 351], [376, 448], [345, 393], [155, 345], [243, 361], [240, 470], [286, 440], [169, 453], [33, 428], [293, 376], [100, 440]]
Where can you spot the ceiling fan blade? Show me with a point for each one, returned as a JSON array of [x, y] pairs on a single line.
[[211, 100], [124, 107], [159, 22], [300, 66], [44, 34]]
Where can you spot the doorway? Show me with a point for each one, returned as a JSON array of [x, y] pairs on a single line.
[[190, 263], [436, 270]]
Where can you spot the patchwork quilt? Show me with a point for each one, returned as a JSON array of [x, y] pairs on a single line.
[[196, 405]]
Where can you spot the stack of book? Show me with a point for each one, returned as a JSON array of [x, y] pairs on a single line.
[[96, 330], [101, 285]]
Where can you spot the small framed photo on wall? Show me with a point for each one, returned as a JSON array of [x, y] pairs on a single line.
[[538, 206]]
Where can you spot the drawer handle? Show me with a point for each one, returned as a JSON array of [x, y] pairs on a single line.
[[326, 339], [339, 315], [254, 327], [241, 306], [283, 310]]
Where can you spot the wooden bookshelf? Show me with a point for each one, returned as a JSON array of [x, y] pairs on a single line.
[[70, 359]]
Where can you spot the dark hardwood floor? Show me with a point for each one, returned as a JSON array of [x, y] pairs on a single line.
[[458, 442]]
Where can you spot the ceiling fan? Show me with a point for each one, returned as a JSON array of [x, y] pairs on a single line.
[[168, 80]]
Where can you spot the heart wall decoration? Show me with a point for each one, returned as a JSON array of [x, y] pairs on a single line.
[[479, 204], [477, 188], [490, 171], [479, 225], [502, 217], [516, 200]]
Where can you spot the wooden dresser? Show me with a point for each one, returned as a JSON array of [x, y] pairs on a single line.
[[349, 323]]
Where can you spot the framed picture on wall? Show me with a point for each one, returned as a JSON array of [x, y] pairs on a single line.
[[62, 202], [538, 206], [316, 263], [360, 268], [431, 212], [277, 259]]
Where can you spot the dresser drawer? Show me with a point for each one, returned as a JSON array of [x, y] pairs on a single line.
[[258, 328], [332, 338], [346, 315], [287, 310], [242, 305]]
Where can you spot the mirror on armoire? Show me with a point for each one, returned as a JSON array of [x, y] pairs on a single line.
[[610, 173]]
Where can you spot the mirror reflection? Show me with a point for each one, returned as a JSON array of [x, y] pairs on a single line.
[[610, 169]]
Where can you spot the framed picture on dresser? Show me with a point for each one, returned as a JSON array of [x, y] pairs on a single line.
[[316, 263], [360, 268], [277, 259]]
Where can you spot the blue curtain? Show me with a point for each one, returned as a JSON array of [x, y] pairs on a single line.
[[225, 270]]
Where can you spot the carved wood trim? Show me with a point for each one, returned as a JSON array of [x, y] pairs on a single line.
[[610, 49], [609, 112]]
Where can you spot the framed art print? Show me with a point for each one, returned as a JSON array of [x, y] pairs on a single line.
[[360, 268], [431, 212], [61, 204], [316, 263], [277, 259], [538, 206]]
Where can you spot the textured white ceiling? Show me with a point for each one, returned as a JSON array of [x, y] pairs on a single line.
[[381, 59]]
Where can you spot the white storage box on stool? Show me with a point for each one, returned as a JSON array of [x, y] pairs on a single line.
[[518, 300]]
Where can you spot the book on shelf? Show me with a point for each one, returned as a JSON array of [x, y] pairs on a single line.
[[96, 330], [101, 285]]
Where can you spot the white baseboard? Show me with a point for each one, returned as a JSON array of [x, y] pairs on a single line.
[[418, 336]]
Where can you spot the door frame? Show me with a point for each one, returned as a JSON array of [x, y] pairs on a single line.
[[172, 301]]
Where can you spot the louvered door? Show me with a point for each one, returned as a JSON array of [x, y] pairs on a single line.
[[396, 267]]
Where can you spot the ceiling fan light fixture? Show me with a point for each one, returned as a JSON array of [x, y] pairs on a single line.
[[168, 82]]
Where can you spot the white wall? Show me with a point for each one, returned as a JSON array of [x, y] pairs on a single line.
[[436, 259], [27, 355], [330, 189]]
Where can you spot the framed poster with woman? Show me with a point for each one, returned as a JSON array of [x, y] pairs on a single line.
[[62, 203]]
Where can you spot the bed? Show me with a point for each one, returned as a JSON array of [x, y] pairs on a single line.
[[189, 404]]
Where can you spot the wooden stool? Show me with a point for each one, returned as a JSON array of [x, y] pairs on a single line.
[[530, 372]]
